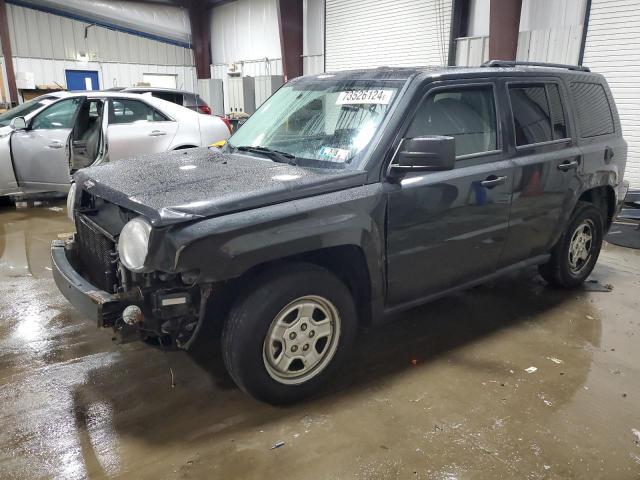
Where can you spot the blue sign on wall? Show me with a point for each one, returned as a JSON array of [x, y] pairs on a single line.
[[82, 80]]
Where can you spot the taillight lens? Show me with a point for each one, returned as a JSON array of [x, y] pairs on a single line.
[[227, 123], [205, 109]]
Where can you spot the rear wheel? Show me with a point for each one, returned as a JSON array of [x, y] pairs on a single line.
[[286, 336], [576, 253]]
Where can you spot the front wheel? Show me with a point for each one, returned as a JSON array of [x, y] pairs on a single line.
[[288, 333], [576, 253]]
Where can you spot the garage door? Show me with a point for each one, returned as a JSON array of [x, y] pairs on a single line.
[[365, 34], [613, 49]]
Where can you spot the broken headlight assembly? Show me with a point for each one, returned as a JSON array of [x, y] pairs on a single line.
[[133, 244]]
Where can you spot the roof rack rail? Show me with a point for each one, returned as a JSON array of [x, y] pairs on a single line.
[[510, 63]]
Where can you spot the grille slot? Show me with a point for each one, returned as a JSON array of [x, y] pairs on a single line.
[[96, 252]]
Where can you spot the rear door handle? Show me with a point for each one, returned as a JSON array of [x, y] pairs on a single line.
[[491, 181], [608, 154], [157, 133], [568, 165], [55, 145]]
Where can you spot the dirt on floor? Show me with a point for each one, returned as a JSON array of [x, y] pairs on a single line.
[[508, 380]]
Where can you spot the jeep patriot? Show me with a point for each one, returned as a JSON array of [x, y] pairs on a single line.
[[347, 196]]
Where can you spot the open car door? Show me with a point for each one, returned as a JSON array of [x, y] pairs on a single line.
[[88, 137], [8, 182], [40, 153]]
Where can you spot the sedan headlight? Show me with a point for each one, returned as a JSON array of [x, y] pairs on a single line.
[[133, 244], [71, 201]]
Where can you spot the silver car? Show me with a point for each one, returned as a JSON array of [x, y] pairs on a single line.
[[55, 135]]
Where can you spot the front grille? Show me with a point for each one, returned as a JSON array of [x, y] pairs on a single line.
[[97, 253]]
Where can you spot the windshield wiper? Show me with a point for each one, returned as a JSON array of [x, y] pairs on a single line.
[[275, 155]]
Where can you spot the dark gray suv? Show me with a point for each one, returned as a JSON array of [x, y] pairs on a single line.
[[346, 197]]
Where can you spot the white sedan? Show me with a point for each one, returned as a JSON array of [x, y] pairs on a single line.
[[68, 131]]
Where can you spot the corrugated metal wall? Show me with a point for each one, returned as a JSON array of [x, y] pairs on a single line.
[[45, 45], [37, 34], [364, 34], [613, 49], [245, 33]]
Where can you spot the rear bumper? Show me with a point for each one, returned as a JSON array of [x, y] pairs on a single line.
[[92, 302], [622, 188]]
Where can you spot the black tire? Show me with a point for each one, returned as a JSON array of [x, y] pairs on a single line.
[[6, 201], [250, 319], [558, 271]]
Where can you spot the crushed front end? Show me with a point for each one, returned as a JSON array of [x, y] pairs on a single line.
[[89, 272]]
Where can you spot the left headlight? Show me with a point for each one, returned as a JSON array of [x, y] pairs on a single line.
[[133, 244], [71, 201]]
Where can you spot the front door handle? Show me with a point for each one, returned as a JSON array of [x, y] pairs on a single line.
[[157, 133], [55, 145], [568, 165], [491, 181]]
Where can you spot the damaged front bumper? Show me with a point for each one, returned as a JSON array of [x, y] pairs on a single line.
[[174, 310], [89, 300]]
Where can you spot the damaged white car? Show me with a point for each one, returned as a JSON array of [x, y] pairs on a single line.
[[44, 141]]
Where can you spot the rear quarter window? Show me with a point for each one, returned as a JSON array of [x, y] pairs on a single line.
[[592, 108]]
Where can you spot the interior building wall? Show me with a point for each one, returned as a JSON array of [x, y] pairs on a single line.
[[551, 30], [245, 34], [313, 36], [44, 45]]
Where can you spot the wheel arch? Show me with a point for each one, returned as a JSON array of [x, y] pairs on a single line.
[[347, 262], [603, 197]]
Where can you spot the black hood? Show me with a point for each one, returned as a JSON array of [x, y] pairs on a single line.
[[184, 185]]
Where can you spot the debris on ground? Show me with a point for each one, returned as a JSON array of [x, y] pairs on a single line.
[[595, 286], [636, 433], [277, 445], [173, 383], [589, 317], [531, 369], [413, 361], [56, 209], [555, 360]]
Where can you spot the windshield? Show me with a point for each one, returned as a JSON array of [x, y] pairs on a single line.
[[25, 109], [322, 122]]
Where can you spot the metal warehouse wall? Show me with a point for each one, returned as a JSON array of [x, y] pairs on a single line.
[[47, 44], [245, 33]]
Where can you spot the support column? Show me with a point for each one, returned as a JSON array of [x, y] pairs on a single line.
[[200, 37], [290, 25], [504, 24], [6, 52]]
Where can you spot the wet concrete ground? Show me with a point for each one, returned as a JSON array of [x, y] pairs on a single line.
[[73, 405]]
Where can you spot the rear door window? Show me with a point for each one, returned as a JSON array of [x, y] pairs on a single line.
[[133, 111], [592, 108], [467, 114], [538, 113]]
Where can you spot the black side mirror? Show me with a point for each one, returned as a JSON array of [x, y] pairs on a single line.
[[425, 154]]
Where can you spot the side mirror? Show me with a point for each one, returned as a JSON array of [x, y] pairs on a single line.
[[18, 123], [425, 154]]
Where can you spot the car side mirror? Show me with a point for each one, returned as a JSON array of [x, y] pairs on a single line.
[[425, 154], [18, 123]]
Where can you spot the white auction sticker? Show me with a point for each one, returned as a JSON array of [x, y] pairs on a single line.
[[357, 97]]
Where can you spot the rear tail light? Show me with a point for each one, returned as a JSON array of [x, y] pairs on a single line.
[[204, 108], [227, 123]]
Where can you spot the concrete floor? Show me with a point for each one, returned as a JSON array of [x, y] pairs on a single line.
[[74, 405]]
